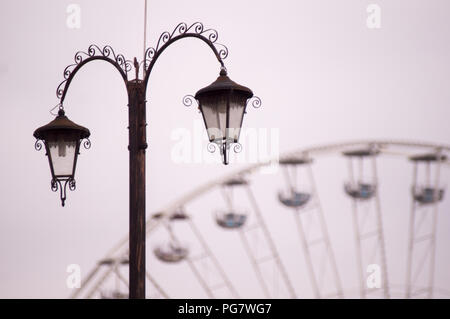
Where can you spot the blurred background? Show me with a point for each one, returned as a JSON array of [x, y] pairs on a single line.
[[324, 77]]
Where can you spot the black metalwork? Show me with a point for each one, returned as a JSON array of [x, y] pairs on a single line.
[[61, 127], [87, 143], [124, 66], [136, 89], [38, 145], [188, 100], [254, 101], [93, 53], [195, 30], [237, 148], [56, 184], [211, 147]]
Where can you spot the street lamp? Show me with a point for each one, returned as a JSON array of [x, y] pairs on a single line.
[[222, 105], [62, 139]]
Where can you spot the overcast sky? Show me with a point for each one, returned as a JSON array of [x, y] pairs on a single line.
[[323, 77]]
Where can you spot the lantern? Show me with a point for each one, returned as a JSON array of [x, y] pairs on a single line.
[[62, 139], [223, 105]]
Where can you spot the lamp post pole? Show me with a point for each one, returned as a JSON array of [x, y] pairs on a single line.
[[224, 99], [137, 146]]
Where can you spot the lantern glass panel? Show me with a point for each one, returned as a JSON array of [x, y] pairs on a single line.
[[62, 156], [214, 109], [237, 108]]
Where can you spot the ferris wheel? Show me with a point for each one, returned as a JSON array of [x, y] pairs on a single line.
[[344, 207]]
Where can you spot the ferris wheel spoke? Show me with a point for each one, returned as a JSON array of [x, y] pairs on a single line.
[[209, 254], [254, 262], [100, 281], [381, 240], [325, 235], [426, 197], [307, 212], [155, 284], [362, 190], [270, 242]]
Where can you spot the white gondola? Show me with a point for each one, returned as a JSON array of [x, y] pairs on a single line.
[[425, 190], [427, 195], [361, 191], [230, 220], [294, 199], [358, 187], [171, 253]]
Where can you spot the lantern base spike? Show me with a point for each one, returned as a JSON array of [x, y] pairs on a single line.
[[224, 151], [56, 185]]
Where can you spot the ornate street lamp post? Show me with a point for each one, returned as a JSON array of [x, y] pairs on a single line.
[[222, 104]]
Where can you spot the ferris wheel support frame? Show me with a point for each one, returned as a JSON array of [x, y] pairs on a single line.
[[260, 224], [383, 145], [378, 233], [413, 239], [208, 253], [381, 240], [270, 242], [326, 236], [314, 208]]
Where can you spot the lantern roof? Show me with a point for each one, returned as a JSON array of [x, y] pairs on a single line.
[[224, 83], [61, 123]]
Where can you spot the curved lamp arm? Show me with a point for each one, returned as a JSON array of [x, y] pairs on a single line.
[[93, 53], [181, 31]]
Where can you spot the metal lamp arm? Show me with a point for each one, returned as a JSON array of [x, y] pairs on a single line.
[[181, 31], [94, 53]]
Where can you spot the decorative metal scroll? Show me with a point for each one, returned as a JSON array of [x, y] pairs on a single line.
[[107, 53], [182, 30], [94, 51], [56, 184], [254, 101]]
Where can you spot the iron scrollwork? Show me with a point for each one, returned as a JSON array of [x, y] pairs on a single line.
[[124, 66], [254, 101], [93, 52], [182, 30], [87, 143], [211, 147], [107, 53], [38, 145], [189, 100], [224, 147], [237, 148], [56, 184]]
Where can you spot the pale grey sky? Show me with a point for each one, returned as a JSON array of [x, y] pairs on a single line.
[[322, 75]]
